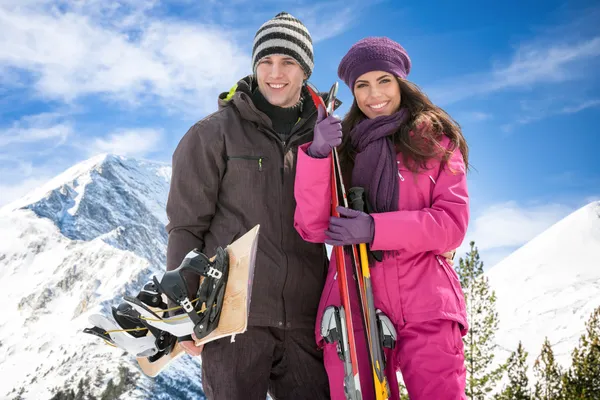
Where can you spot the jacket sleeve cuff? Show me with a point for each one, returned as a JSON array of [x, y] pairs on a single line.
[[319, 168], [312, 191], [388, 231]]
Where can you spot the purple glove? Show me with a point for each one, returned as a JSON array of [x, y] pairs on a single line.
[[359, 227], [328, 134]]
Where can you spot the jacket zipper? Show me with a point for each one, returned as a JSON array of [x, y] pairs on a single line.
[[257, 158], [283, 149], [286, 324], [399, 174]]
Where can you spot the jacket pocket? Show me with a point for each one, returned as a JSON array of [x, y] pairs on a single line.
[[415, 189], [253, 161], [453, 278]]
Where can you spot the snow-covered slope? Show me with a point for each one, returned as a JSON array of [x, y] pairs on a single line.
[[96, 232], [549, 287], [75, 247]]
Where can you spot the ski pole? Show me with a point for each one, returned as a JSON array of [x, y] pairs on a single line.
[[382, 391]]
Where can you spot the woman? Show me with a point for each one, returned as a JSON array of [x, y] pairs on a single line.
[[411, 158]]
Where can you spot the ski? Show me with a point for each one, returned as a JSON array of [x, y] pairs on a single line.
[[333, 330], [344, 324], [379, 331], [365, 294]]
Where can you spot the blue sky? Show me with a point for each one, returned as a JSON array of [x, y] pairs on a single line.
[[131, 76]]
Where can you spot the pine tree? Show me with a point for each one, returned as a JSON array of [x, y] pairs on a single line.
[[403, 392], [126, 382], [582, 381], [68, 394], [548, 375], [110, 391], [516, 367], [99, 380], [80, 390], [483, 323]]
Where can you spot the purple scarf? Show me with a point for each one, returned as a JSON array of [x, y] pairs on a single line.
[[375, 167]]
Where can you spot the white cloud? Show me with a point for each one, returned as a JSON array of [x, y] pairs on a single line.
[[18, 135], [328, 19], [473, 116], [9, 193], [133, 142], [324, 19], [20, 176], [500, 229], [548, 107], [128, 57], [126, 51], [510, 224], [581, 106], [37, 128], [592, 198], [532, 64]]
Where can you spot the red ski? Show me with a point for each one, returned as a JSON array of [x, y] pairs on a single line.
[[337, 325], [378, 329]]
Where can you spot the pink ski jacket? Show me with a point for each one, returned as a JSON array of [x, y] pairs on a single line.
[[413, 283]]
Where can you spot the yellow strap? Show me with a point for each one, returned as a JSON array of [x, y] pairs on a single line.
[[231, 93]]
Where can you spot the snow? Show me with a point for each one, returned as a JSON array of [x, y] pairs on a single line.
[[549, 287], [70, 175], [75, 247], [80, 242]]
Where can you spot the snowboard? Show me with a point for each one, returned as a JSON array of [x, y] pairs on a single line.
[[236, 302]]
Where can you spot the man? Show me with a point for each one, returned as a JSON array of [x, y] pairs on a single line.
[[235, 169]]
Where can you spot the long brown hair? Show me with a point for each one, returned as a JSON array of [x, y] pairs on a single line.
[[418, 140]]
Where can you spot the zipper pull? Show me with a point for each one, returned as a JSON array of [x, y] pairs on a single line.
[[399, 174], [260, 164]]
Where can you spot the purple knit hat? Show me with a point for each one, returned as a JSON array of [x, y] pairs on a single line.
[[373, 54]]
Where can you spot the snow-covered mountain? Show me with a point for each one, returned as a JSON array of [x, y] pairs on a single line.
[[74, 247], [549, 287], [96, 232]]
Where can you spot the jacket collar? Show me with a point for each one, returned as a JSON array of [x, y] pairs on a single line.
[[240, 96]]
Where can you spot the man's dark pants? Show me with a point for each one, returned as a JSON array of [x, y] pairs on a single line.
[[286, 363]]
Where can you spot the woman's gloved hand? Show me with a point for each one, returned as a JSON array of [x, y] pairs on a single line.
[[328, 134], [357, 227]]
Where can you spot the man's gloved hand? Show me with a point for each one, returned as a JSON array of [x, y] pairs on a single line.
[[358, 227], [328, 134]]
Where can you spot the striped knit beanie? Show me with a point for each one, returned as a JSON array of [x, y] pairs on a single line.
[[284, 35]]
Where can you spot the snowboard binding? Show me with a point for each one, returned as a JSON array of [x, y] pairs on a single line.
[[151, 324], [205, 310], [131, 333], [142, 325], [333, 330]]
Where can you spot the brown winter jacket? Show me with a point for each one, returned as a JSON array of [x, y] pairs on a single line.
[[231, 171]]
